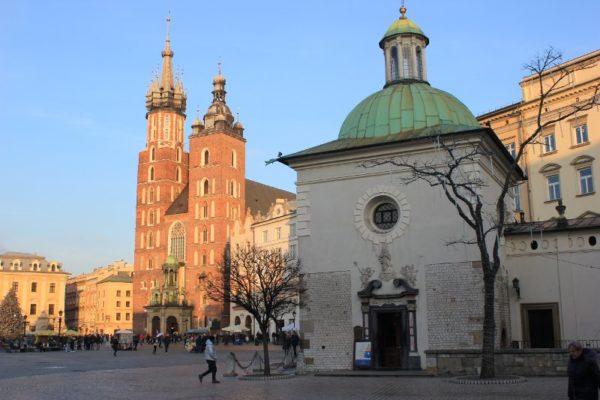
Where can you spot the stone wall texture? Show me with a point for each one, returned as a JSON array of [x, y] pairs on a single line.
[[531, 362], [327, 321], [455, 306]]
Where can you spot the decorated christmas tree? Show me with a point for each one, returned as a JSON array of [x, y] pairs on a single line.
[[11, 316]]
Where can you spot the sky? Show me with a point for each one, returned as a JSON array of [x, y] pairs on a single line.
[[73, 78]]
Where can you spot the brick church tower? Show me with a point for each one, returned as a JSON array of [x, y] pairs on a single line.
[[187, 205]]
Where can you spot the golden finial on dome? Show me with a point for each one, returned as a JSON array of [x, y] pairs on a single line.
[[402, 11]]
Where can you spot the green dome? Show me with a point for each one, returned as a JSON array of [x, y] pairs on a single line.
[[403, 25], [410, 109]]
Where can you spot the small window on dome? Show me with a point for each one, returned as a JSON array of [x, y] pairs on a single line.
[[394, 63], [419, 63]]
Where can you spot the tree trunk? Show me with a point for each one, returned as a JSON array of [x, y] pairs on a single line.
[[265, 340], [488, 369]]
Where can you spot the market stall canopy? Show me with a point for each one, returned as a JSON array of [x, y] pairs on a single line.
[[290, 327], [235, 329], [196, 331]]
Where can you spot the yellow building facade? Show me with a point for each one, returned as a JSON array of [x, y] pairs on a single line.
[[563, 164], [101, 301], [40, 288]]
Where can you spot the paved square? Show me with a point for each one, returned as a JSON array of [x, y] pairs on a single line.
[[141, 375]]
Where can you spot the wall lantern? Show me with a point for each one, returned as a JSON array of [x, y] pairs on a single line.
[[517, 287]]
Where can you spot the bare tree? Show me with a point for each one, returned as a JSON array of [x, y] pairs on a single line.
[[454, 170], [266, 283]]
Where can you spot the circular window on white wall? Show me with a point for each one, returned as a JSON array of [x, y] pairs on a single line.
[[382, 214]]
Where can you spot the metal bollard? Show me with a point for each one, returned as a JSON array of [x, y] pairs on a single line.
[[230, 365]]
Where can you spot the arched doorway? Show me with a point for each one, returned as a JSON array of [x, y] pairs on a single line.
[[155, 326], [172, 325]]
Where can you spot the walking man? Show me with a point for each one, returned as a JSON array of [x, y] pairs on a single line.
[[115, 344], [210, 355]]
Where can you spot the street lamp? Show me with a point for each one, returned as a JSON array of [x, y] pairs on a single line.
[[60, 313], [24, 324], [294, 315]]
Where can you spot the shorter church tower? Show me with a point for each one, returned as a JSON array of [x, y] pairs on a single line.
[[217, 192]]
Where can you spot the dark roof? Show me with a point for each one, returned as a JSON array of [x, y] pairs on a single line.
[[121, 276], [180, 205], [554, 224], [343, 145], [259, 197]]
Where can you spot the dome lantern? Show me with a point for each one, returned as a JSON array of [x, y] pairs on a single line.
[[403, 47]]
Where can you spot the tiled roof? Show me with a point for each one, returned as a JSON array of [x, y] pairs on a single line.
[[259, 197], [553, 224], [121, 276], [180, 205]]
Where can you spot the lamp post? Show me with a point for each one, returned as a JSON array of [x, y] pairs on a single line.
[[60, 313], [24, 324], [294, 315]]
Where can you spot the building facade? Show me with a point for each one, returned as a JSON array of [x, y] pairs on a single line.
[[553, 275], [101, 301], [383, 287], [273, 230], [40, 288], [563, 164], [188, 203]]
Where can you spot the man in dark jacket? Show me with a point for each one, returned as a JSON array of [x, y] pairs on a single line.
[[584, 375]]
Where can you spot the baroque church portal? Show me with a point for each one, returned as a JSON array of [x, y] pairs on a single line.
[[382, 286], [188, 203]]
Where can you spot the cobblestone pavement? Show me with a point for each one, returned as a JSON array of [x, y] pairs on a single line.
[[141, 375]]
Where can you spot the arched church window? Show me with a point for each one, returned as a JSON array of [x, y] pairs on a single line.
[[394, 63], [177, 243], [204, 235], [205, 157], [151, 195], [233, 159], [178, 175], [237, 321], [205, 210], [152, 154], [178, 154], [151, 174], [150, 240], [419, 63], [206, 188]]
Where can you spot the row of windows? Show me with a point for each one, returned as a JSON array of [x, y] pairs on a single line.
[[127, 303], [34, 287], [205, 159], [33, 309], [585, 183], [17, 265], [166, 127], [127, 293], [579, 137], [548, 141], [278, 233]]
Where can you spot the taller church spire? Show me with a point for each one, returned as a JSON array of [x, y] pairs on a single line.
[[166, 93]]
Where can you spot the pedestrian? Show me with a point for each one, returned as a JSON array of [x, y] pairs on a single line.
[[115, 344], [136, 341], [166, 342], [154, 344], [294, 341], [584, 375], [210, 355]]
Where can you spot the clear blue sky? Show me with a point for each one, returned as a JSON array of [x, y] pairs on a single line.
[[73, 76]]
